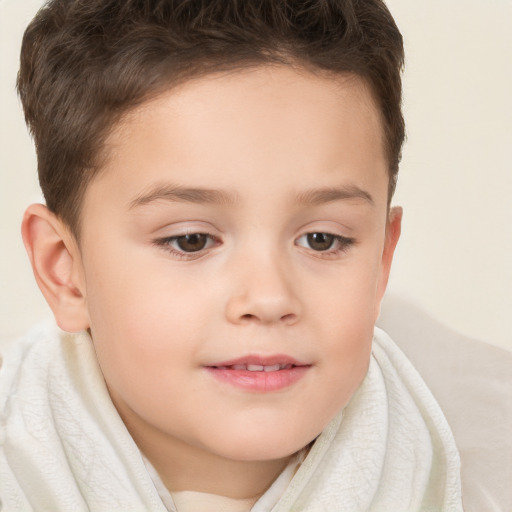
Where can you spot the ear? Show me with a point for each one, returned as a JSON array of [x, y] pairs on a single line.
[[393, 230], [57, 266]]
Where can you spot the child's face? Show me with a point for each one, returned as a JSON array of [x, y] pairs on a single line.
[[250, 166]]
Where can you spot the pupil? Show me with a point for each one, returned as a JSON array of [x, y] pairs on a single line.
[[320, 241], [192, 243]]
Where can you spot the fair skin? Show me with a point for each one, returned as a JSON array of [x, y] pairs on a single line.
[[250, 165]]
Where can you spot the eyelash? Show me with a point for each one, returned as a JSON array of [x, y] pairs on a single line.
[[343, 245]]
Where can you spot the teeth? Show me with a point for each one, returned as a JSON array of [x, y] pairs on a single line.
[[258, 367], [255, 367]]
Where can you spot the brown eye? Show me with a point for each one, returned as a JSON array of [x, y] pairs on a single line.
[[320, 241], [192, 243]]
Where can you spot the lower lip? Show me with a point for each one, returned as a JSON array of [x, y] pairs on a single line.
[[262, 382]]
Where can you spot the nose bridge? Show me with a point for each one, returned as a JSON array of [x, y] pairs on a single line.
[[263, 290]]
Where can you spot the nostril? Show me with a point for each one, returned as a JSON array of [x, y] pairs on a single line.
[[289, 318], [262, 309]]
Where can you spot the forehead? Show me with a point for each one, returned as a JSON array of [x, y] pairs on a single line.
[[251, 125], [242, 93]]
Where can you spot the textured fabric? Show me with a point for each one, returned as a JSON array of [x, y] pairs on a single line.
[[472, 382], [64, 448]]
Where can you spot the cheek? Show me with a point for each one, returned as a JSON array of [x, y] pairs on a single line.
[[144, 348], [347, 298], [140, 315], [345, 326]]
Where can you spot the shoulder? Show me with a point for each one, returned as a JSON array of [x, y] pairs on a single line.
[[27, 361], [472, 382]]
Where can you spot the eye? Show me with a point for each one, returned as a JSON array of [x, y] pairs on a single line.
[[189, 243], [323, 242], [320, 241]]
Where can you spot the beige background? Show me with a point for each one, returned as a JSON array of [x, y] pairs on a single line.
[[454, 259]]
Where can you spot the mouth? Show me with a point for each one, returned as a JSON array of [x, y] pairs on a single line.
[[259, 374], [256, 367]]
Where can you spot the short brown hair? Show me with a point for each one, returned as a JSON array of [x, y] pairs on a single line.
[[85, 63]]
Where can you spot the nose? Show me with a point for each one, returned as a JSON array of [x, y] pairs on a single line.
[[263, 292]]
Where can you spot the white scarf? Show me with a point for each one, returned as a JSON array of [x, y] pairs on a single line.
[[64, 448]]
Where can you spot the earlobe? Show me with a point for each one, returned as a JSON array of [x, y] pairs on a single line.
[[56, 264]]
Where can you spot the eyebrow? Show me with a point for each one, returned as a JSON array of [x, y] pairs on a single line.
[[313, 197], [330, 194], [183, 194]]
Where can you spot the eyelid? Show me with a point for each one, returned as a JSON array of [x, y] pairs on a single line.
[[185, 227]]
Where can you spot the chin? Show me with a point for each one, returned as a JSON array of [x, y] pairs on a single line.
[[263, 447]]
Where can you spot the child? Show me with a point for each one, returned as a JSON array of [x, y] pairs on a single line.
[[218, 236]]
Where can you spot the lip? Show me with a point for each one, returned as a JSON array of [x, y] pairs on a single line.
[[276, 372]]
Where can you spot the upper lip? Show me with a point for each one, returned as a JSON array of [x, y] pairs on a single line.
[[261, 360]]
